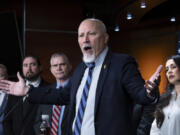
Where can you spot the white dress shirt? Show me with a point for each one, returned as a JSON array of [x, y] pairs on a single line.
[[34, 84], [87, 127], [2, 95], [171, 123]]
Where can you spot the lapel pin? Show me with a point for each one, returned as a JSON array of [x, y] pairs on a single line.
[[104, 66]]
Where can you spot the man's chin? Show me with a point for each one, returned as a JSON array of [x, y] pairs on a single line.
[[31, 78], [88, 59]]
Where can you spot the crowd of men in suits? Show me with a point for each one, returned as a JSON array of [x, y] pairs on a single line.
[[18, 116]]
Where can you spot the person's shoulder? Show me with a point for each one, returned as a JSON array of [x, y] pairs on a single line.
[[53, 85], [80, 66], [123, 57]]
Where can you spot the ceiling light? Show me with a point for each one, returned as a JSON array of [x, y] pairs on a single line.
[[173, 19], [143, 4], [178, 51], [116, 28], [129, 16]]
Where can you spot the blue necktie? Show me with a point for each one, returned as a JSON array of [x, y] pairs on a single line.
[[83, 101]]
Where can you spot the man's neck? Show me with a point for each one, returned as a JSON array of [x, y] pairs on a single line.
[[35, 83], [61, 81]]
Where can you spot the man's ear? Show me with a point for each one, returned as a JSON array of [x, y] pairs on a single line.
[[50, 69], [106, 38]]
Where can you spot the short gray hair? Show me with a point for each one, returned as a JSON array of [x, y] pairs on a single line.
[[2, 66], [59, 54]]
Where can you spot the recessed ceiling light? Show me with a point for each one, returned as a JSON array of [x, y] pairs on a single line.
[[143, 4], [129, 16], [116, 28], [173, 19]]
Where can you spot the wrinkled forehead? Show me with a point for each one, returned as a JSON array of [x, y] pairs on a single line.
[[58, 59], [91, 25]]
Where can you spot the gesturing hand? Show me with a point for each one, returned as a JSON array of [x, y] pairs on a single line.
[[15, 88], [154, 80]]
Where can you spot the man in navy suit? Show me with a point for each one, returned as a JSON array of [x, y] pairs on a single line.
[[116, 84], [3, 96], [60, 67]]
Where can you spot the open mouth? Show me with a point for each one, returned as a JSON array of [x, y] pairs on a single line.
[[171, 76], [87, 48]]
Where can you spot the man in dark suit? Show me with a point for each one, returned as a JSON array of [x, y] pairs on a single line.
[[3, 96], [113, 84], [23, 118], [60, 68]]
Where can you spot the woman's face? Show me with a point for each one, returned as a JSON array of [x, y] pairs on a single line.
[[172, 72]]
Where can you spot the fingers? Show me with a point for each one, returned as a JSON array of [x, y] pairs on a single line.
[[4, 84], [5, 91], [156, 75], [159, 69], [149, 86], [19, 76]]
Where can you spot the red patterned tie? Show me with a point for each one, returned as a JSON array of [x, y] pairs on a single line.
[[55, 120]]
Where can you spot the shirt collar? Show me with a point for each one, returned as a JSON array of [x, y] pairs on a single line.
[[34, 83], [62, 85]]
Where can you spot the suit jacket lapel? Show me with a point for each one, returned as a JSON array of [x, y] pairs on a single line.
[[103, 74]]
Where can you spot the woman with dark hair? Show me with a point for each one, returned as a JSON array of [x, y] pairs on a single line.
[[167, 113]]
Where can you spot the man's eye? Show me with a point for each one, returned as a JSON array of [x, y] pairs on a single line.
[[33, 64], [92, 33], [54, 65], [81, 35], [25, 65]]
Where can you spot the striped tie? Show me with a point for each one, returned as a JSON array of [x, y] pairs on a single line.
[[55, 120], [83, 101]]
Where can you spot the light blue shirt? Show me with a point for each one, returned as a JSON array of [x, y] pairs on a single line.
[[62, 107]]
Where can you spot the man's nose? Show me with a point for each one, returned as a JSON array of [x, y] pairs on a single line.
[[86, 39], [59, 67], [29, 67]]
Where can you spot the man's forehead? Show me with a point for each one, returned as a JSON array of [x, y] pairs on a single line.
[[29, 60], [88, 23], [58, 59]]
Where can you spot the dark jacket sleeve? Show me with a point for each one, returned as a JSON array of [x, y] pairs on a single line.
[[143, 118], [133, 82], [49, 95]]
